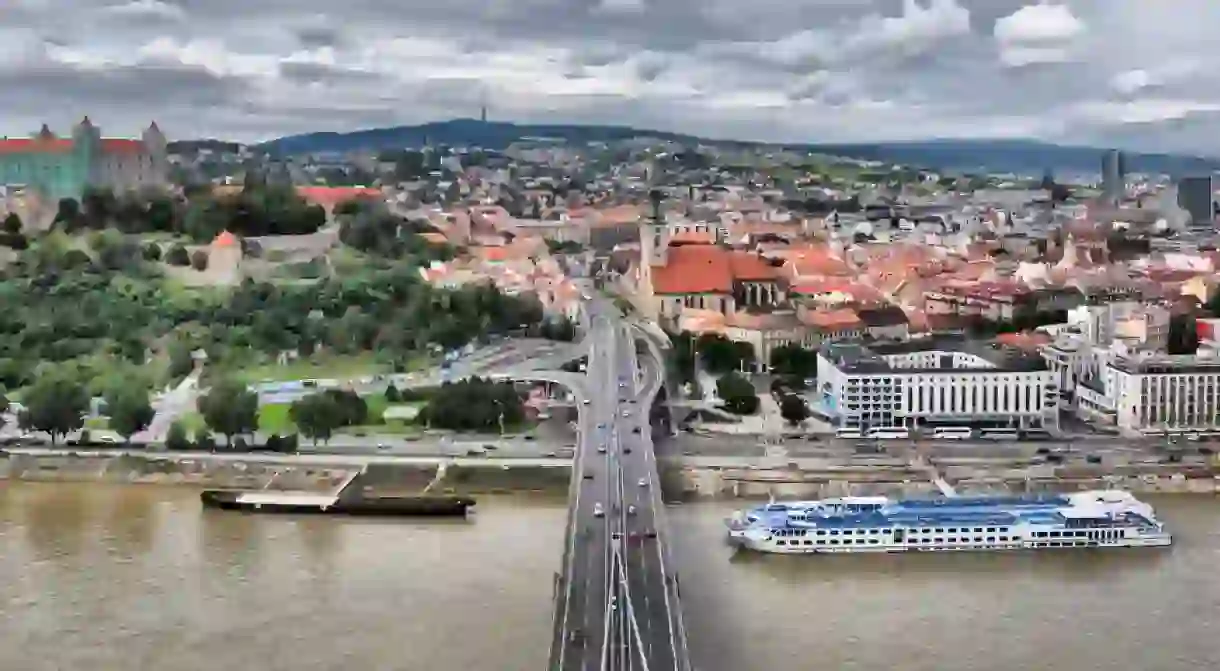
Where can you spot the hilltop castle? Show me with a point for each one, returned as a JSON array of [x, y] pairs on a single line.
[[49, 167]]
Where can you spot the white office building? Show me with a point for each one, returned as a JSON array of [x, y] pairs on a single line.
[[934, 383], [1154, 394]]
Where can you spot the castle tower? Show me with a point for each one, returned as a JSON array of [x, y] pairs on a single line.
[[87, 147], [157, 147]]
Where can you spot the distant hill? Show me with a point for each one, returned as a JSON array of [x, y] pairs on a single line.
[[194, 146], [1018, 156], [457, 132]]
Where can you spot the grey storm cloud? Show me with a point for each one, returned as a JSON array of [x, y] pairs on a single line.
[[1123, 72]]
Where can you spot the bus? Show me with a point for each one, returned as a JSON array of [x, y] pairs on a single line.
[[952, 432], [888, 434], [999, 434], [848, 433]]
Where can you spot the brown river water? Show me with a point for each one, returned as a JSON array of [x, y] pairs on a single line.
[[96, 578]]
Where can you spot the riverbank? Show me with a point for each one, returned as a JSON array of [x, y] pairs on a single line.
[[682, 476], [282, 473], [894, 476]]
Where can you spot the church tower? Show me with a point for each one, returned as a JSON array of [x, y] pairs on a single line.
[[654, 249], [654, 233]]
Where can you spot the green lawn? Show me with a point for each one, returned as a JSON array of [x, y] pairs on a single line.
[[319, 367], [273, 418]]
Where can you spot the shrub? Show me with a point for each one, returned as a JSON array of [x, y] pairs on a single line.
[[152, 252], [177, 256], [176, 438], [199, 260]]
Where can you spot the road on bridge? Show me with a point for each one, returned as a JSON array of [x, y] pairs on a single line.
[[616, 602]]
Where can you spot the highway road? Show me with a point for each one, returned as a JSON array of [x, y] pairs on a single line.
[[649, 573], [617, 600], [580, 605]]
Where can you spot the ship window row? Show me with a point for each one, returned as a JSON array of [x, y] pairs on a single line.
[[878, 532], [960, 530], [1092, 534], [910, 541]]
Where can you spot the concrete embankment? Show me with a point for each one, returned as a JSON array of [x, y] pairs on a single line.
[[682, 476], [258, 472], [818, 478]]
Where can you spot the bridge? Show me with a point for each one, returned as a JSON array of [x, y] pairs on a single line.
[[616, 601]]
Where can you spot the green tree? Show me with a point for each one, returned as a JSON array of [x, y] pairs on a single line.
[[793, 409], [4, 407], [199, 260], [1183, 335], [204, 440], [392, 394], [229, 408], [56, 404], [12, 224], [317, 416], [129, 409], [737, 394], [794, 360], [176, 438], [67, 214]]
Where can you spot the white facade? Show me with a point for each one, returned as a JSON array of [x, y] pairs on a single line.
[[909, 390], [1165, 394]]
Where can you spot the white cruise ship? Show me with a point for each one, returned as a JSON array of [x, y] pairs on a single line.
[[1092, 519]]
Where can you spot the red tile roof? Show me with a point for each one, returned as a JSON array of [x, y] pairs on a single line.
[[41, 145], [748, 267], [121, 146], [333, 195], [694, 269], [225, 239]]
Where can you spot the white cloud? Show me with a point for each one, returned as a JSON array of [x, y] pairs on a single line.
[[1143, 111], [147, 8], [622, 6], [766, 69], [1037, 34], [915, 31], [1039, 23]]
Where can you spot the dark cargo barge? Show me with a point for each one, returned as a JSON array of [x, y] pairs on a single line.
[[299, 503]]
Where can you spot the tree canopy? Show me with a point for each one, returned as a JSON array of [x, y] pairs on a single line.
[[737, 394], [474, 404], [229, 408], [55, 404]]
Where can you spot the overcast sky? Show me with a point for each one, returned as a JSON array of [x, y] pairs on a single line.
[[1131, 73]]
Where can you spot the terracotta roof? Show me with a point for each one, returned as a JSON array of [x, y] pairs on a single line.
[[833, 319], [35, 146], [694, 269], [53, 145], [225, 239], [120, 146], [333, 195], [816, 262], [748, 267]]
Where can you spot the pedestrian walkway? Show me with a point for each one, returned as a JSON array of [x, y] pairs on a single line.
[[171, 406]]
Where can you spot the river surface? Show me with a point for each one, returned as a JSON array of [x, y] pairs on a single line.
[[133, 578]]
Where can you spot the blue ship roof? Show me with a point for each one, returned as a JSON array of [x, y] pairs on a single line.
[[938, 512]]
